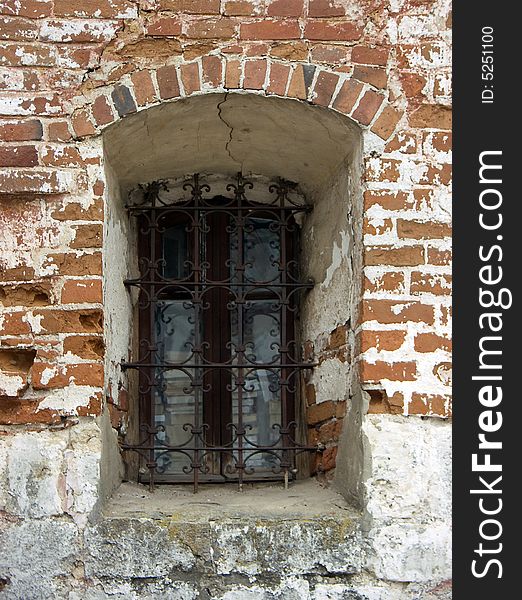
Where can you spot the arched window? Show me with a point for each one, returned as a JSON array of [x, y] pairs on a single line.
[[219, 362]]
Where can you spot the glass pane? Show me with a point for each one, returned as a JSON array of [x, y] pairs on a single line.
[[261, 394], [175, 252], [174, 398], [261, 251]]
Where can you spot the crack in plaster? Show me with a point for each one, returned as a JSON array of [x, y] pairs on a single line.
[[230, 130]]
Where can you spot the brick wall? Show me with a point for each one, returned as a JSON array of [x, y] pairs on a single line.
[[70, 69]]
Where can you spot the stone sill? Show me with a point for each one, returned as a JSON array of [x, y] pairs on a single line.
[[262, 531]]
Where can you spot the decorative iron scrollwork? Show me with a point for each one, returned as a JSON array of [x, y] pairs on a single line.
[[219, 363]]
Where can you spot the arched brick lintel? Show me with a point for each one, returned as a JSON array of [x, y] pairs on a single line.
[[310, 83]]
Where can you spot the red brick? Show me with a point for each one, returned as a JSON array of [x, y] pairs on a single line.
[[190, 78], [403, 142], [270, 30], [377, 226], [325, 8], [58, 131], [64, 156], [418, 230], [29, 182], [285, 8], [337, 31], [255, 72], [366, 55], [79, 291], [334, 55], [88, 347], [18, 156], [430, 404], [143, 87], [388, 200], [21, 273], [437, 175], [347, 96], [82, 123], [432, 116], [168, 82], [368, 105], [49, 376], [258, 50], [430, 283], [405, 256], [386, 122], [375, 76], [164, 27], [212, 70], [431, 342], [278, 79], [93, 409], [101, 111], [438, 140], [22, 412], [75, 212], [388, 340], [325, 85], [16, 29], [71, 321], [21, 131], [27, 54], [412, 84], [383, 170], [393, 311], [328, 459], [27, 294], [438, 257], [76, 264], [398, 371], [289, 51], [212, 29], [194, 7], [33, 9], [13, 323], [300, 81], [387, 282], [95, 8], [117, 416], [87, 236], [381, 403], [330, 431], [232, 74], [318, 413], [239, 8]]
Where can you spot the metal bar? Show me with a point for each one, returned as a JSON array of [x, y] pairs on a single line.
[[152, 316], [251, 366], [196, 194], [188, 284], [211, 208], [240, 318]]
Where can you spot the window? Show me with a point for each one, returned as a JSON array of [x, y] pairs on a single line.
[[219, 363]]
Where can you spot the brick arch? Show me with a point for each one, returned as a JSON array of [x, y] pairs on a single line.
[[314, 84]]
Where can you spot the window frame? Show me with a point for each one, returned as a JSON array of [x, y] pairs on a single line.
[[150, 250]]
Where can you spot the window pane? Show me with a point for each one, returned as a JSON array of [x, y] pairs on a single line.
[[175, 252], [261, 251], [174, 398], [261, 394]]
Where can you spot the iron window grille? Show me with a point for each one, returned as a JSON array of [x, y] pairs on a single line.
[[219, 363]]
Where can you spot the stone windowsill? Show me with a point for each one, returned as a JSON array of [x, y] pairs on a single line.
[[263, 530]]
